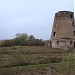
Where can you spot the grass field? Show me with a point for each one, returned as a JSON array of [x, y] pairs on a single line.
[[36, 60]]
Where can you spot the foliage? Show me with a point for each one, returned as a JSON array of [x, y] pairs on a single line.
[[7, 43], [23, 40]]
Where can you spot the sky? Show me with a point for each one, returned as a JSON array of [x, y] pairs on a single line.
[[30, 16]]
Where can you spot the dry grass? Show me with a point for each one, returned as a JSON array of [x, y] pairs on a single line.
[[32, 60]]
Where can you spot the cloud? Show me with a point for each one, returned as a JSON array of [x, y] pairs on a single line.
[[31, 16]]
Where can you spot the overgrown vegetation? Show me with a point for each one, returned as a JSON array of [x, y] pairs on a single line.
[[22, 39], [36, 60]]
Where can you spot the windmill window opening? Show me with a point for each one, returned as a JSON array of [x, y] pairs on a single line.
[[74, 33], [73, 24], [50, 42], [70, 42], [57, 42], [70, 16], [54, 34]]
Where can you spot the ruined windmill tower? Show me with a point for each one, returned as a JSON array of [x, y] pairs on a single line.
[[63, 31]]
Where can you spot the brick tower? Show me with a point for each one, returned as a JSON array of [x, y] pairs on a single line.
[[63, 31]]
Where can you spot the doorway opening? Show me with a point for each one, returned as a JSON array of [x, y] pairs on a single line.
[[74, 44]]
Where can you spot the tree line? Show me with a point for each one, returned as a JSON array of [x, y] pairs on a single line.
[[22, 39]]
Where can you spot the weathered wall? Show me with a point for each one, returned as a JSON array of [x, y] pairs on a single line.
[[63, 43], [63, 26]]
